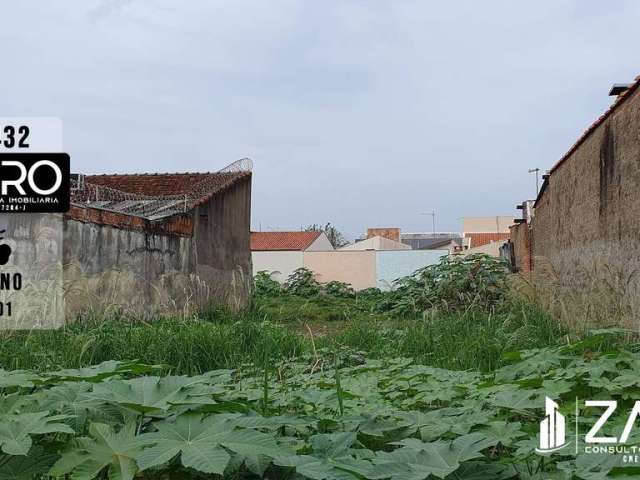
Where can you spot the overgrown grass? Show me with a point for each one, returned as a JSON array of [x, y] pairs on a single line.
[[472, 339], [469, 324], [185, 345]]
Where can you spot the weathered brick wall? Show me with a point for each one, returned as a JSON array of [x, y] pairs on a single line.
[[586, 228], [223, 252], [113, 260], [521, 247], [181, 225]]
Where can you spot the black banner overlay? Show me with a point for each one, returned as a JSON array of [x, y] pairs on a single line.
[[34, 182]]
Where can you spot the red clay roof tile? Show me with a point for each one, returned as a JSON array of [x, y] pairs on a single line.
[[283, 240], [197, 188], [156, 184], [482, 238]]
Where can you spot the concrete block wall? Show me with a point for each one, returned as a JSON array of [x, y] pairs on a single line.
[[360, 268], [391, 265], [355, 267], [281, 264], [180, 263], [107, 268]]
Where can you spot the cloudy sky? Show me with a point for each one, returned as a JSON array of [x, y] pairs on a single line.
[[361, 113]]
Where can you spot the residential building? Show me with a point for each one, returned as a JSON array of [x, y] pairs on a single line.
[[452, 241], [492, 224], [482, 231], [280, 253], [392, 233], [373, 262], [290, 241], [376, 243]]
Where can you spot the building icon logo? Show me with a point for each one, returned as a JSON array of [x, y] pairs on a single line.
[[552, 429]]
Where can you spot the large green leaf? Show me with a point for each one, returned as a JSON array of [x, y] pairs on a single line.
[[16, 430], [519, 399], [202, 443], [145, 394], [505, 433], [419, 460], [74, 399], [105, 449], [332, 459], [20, 467], [18, 378], [101, 371]]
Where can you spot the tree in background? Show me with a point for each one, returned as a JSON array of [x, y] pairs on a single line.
[[333, 234]]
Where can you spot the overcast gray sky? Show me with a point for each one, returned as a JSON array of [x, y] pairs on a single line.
[[362, 113]]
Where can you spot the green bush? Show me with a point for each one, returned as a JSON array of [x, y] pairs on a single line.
[[264, 285], [455, 282], [338, 289], [302, 283]]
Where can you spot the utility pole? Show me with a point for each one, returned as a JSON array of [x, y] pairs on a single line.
[[537, 172], [433, 219]]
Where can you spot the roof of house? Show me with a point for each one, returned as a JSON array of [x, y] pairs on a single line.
[[430, 241], [482, 238], [155, 195], [376, 243], [620, 100], [156, 184], [283, 240], [440, 243], [198, 187]]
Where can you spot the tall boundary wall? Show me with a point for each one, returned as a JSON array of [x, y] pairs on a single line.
[[118, 261], [586, 228], [359, 268]]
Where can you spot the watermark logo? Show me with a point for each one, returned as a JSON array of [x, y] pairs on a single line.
[[34, 189], [34, 182], [552, 429]]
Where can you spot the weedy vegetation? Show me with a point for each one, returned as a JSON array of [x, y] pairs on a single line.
[[443, 377]]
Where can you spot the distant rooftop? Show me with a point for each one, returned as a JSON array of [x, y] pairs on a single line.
[[430, 240], [269, 241]]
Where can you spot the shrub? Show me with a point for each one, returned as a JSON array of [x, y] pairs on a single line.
[[338, 289], [264, 285], [455, 282], [302, 283]]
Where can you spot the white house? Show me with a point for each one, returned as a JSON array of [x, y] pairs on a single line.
[[281, 253]]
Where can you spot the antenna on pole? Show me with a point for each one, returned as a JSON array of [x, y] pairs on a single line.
[[433, 219], [537, 172]]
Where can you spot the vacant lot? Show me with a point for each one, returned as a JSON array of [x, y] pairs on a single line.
[[443, 378]]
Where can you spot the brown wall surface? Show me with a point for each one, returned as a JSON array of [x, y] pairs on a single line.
[[390, 233], [587, 222]]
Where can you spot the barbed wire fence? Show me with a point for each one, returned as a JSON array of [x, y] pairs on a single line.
[[86, 194]]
